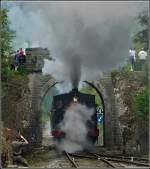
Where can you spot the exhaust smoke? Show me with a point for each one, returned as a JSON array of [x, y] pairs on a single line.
[[88, 38], [84, 38], [74, 125]]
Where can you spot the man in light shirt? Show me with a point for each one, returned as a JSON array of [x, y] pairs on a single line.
[[142, 56], [132, 54]]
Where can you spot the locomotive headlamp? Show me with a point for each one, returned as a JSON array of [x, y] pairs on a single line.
[[75, 99]]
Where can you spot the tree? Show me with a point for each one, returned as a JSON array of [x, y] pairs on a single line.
[[7, 34], [142, 35]]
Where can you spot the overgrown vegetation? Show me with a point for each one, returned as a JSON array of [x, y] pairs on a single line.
[[89, 90], [7, 36], [141, 38], [6, 43], [132, 87], [14, 83], [141, 105]]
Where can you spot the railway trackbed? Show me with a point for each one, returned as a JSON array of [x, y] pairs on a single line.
[[101, 161], [131, 158], [124, 161], [79, 162], [51, 158]]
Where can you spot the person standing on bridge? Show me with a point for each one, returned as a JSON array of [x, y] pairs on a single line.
[[132, 54], [142, 56], [22, 56], [17, 60]]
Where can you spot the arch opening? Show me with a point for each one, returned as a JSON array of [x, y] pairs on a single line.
[[100, 108], [45, 107], [46, 104]]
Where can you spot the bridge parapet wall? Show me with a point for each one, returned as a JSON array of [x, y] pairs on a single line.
[[35, 58]]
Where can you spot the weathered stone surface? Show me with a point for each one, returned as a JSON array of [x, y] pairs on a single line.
[[16, 104], [35, 58], [113, 139], [37, 85], [127, 86]]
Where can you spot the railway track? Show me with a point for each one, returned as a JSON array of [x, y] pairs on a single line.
[[51, 158], [131, 158], [71, 160], [126, 161], [113, 162], [78, 162]]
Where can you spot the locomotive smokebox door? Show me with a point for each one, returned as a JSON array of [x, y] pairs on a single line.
[[62, 102]]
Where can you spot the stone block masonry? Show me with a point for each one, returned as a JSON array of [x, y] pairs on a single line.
[[39, 83]]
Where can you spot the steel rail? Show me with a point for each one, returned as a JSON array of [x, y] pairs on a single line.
[[124, 157], [95, 158], [103, 159], [121, 160], [108, 159], [71, 160], [83, 156], [108, 162], [127, 161]]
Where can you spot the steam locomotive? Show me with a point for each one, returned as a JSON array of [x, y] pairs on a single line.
[[61, 103]]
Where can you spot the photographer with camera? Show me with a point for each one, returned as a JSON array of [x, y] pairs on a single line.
[[17, 147]]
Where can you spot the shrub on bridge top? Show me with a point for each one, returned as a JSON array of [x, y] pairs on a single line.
[[141, 105]]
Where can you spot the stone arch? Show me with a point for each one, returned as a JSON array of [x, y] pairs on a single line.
[[108, 124], [107, 132], [103, 106], [47, 86], [39, 84], [112, 137]]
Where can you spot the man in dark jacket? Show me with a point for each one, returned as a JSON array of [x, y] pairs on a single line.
[[17, 148]]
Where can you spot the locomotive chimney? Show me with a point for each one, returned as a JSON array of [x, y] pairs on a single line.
[[75, 90]]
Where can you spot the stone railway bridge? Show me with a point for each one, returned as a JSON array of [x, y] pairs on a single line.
[[39, 84]]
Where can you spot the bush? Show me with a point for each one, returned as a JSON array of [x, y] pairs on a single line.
[[141, 105], [126, 70]]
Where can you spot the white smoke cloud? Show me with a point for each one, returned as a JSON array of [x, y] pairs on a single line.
[[86, 38], [75, 127], [96, 35]]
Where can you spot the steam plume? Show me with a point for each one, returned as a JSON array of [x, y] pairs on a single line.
[[92, 36], [85, 38], [74, 125]]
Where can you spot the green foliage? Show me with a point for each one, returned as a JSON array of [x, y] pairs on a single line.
[[7, 34], [126, 70], [7, 73], [22, 70], [141, 39], [89, 90], [142, 36], [141, 105]]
